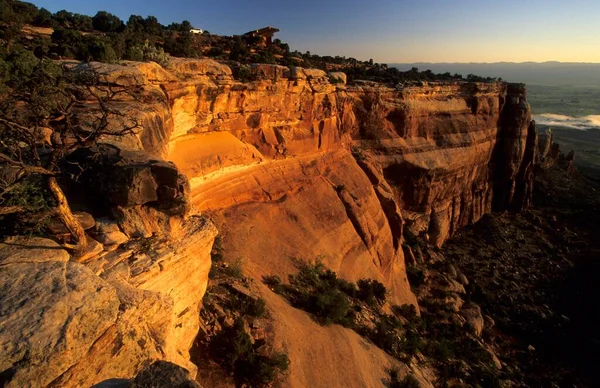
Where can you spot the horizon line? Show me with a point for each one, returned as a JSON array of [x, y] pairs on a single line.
[[493, 63]]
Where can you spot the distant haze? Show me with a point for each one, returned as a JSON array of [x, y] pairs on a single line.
[[546, 73]]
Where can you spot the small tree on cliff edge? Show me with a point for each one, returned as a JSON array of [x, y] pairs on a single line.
[[38, 128]]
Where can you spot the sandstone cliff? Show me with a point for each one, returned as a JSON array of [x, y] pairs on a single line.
[[291, 167]]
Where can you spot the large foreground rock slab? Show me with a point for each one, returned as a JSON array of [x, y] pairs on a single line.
[[51, 311]]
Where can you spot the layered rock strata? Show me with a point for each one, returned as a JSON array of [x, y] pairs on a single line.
[[291, 167], [68, 324]]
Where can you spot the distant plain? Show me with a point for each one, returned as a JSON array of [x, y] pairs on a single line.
[[573, 113]]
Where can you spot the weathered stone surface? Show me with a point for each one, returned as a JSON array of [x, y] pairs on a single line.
[[112, 238], [52, 311], [22, 250], [272, 158], [93, 249], [162, 374], [66, 326], [269, 72], [472, 313], [124, 177]]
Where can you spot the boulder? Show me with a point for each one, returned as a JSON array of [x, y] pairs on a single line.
[[314, 73], [462, 279], [454, 302], [93, 249], [108, 232], [122, 177], [118, 178], [452, 271], [112, 238], [163, 374], [472, 314]]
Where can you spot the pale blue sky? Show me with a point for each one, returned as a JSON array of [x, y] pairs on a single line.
[[391, 30]]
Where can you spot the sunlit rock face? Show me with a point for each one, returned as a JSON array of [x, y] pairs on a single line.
[[448, 151], [440, 156], [293, 168], [70, 324]]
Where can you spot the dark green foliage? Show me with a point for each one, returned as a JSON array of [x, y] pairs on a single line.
[[242, 73], [36, 202], [257, 370], [416, 276], [409, 381], [385, 336], [239, 51], [44, 18], [274, 283], [407, 311], [181, 45], [371, 291], [318, 291], [98, 49], [256, 308], [13, 11], [234, 270], [106, 22], [234, 351], [231, 344], [215, 52], [68, 43], [347, 288], [184, 26]]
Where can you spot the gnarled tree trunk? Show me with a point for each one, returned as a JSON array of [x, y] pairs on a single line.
[[67, 217]]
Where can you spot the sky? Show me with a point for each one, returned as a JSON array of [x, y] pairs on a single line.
[[390, 31]]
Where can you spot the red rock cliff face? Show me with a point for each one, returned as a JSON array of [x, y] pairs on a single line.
[[291, 167], [449, 152], [333, 171]]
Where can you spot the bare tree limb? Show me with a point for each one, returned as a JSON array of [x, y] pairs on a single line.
[[26, 168], [5, 210]]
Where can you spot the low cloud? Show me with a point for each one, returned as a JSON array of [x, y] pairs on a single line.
[[581, 123]]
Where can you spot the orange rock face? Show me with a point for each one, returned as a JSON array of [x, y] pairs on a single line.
[[291, 167], [337, 172]]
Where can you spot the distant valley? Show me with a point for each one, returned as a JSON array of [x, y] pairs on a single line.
[[531, 73]]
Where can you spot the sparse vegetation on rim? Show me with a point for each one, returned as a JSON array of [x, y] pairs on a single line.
[[105, 38]]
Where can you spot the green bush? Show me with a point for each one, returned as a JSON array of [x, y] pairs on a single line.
[[416, 276], [257, 370], [409, 381], [36, 204], [234, 351], [231, 344], [256, 308], [148, 53], [243, 73], [158, 55], [318, 291], [371, 291]]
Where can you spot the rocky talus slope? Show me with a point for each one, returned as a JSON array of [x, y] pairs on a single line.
[[288, 167]]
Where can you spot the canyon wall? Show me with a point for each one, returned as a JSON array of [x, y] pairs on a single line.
[[290, 168]]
